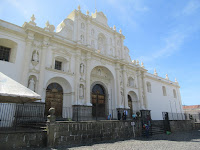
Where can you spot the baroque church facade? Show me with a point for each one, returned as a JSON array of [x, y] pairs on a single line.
[[83, 65]]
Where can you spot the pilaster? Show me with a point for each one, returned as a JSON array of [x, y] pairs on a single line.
[[124, 87], [118, 86], [140, 89], [77, 76], [88, 71], [145, 103], [42, 65], [27, 58]]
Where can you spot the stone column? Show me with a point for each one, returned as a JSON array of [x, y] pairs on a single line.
[[122, 48], [145, 103], [124, 87], [117, 69], [42, 66], [51, 124], [115, 45], [140, 89], [77, 76], [88, 71], [27, 58], [87, 33]]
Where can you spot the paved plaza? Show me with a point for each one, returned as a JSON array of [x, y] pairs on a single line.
[[177, 141]]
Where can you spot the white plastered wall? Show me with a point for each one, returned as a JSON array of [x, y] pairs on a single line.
[[158, 103]]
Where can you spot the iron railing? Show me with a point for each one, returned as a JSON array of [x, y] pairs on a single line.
[[14, 115]]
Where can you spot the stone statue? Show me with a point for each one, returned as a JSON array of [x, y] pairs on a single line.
[[81, 91], [82, 68], [31, 85], [122, 96], [35, 56], [166, 77]]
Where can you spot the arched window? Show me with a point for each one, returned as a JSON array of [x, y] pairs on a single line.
[[164, 91], [149, 87], [101, 43], [174, 93]]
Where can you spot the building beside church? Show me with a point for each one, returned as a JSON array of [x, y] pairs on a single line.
[[83, 64]]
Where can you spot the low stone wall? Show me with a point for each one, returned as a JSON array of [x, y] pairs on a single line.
[[181, 125], [157, 123], [197, 125], [22, 139], [79, 133]]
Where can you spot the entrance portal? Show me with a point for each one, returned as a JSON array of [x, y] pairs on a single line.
[[98, 101], [130, 104], [54, 98]]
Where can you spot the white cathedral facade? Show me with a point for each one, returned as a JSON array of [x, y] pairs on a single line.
[[83, 64]]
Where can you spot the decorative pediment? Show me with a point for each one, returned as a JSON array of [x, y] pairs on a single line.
[[100, 17], [65, 28]]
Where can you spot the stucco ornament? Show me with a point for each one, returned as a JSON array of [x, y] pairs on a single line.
[[81, 91], [142, 64], [155, 73], [120, 31], [33, 18], [122, 98], [114, 27], [166, 77], [87, 12], [79, 8], [82, 69], [32, 22], [35, 56], [137, 62], [31, 85]]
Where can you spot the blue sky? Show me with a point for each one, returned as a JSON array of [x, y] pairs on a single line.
[[163, 34]]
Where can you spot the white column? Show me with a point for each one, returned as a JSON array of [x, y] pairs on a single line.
[[118, 92], [122, 48], [144, 91], [77, 77], [88, 71], [27, 58], [42, 66], [124, 87], [140, 89]]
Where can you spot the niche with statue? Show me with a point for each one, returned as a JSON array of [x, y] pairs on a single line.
[[32, 83], [35, 57]]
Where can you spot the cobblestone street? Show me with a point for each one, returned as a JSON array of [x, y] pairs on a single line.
[[177, 141]]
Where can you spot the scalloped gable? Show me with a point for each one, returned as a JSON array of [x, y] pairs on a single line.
[[100, 17]]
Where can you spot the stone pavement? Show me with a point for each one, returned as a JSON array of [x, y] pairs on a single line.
[[177, 141]]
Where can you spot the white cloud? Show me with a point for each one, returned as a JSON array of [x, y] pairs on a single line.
[[127, 10], [191, 7], [26, 8]]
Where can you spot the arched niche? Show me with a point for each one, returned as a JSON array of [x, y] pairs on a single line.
[[131, 82], [102, 43], [32, 83], [35, 56]]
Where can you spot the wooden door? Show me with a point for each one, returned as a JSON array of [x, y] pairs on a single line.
[[54, 98], [98, 101]]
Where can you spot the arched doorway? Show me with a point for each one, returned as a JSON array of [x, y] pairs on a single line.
[[54, 98], [130, 104], [98, 101], [133, 102]]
